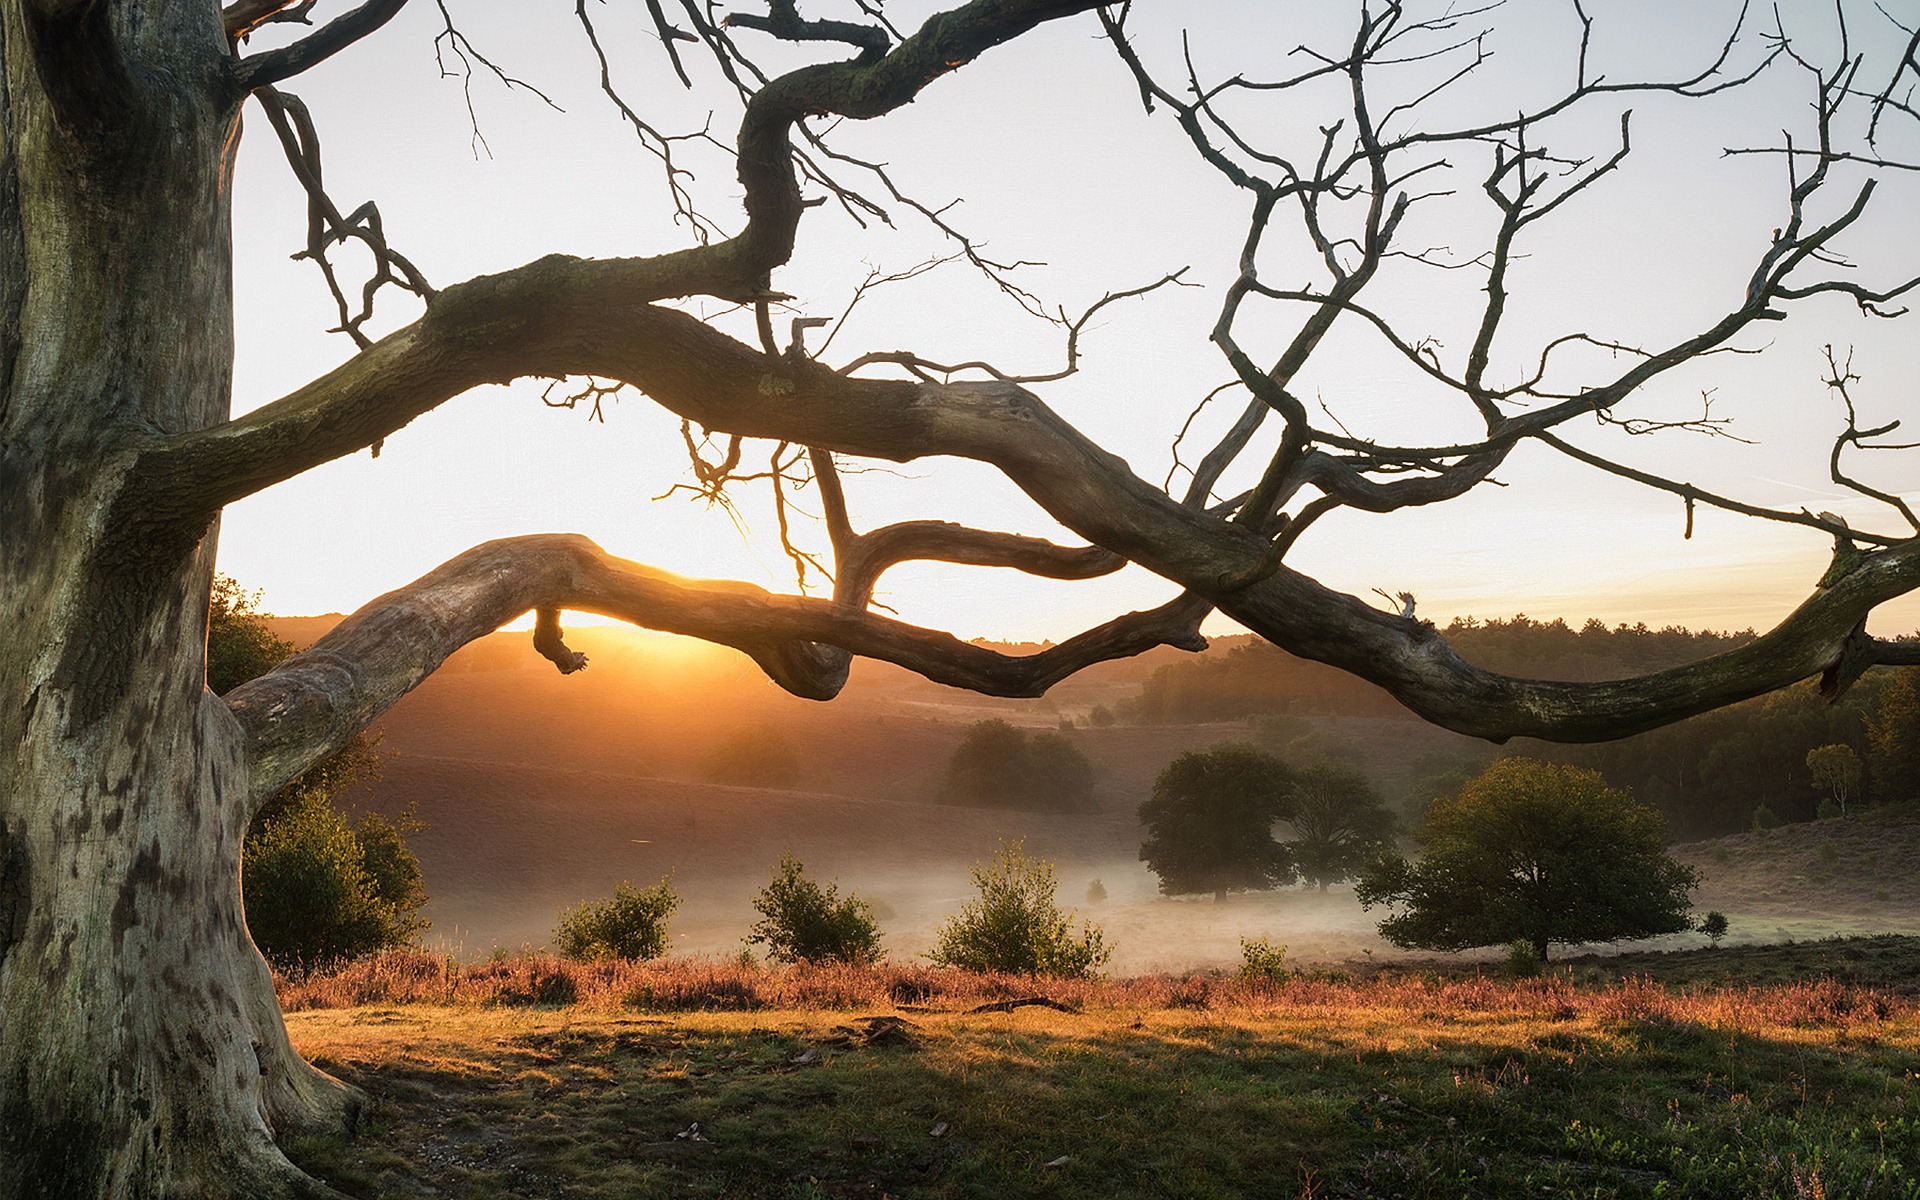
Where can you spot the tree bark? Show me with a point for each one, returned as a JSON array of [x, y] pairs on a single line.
[[142, 1051]]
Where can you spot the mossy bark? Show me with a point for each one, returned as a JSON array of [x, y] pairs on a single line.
[[142, 1052]]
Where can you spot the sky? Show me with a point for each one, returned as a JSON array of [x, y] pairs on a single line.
[[1046, 148]]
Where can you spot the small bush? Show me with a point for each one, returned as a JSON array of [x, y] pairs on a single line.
[[1260, 959], [1714, 925], [1096, 892], [1101, 717], [630, 924], [1017, 927], [320, 890], [1523, 959], [802, 922]]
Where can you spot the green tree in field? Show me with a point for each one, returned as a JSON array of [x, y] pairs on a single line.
[[1714, 925], [1836, 771], [1210, 822], [630, 924], [1537, 852], [800, 921], [1016, 926], [317, 888], [1339, 823], [999, 764]]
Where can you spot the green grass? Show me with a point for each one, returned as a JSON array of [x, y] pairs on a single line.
[[1397, 1086]]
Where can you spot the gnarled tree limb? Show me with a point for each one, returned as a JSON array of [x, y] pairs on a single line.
[[310, 705]]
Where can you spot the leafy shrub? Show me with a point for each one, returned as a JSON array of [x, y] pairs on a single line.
[[1260, 959], [630, 924], [802, 922], [240, 644], [320, 890], [995, 763], [1015, 926], [1523, 959]]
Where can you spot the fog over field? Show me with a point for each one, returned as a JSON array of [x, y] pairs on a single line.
[[540, 791]]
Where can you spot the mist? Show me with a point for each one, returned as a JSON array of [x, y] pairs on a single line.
[[539, 792]]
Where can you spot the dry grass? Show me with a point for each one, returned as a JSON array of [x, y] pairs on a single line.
[[1164, 1086], [709, 985]]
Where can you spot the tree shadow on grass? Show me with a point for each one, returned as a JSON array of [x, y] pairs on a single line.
[[1186, 1104]]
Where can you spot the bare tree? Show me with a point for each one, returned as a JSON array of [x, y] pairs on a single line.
[[141, 1047]]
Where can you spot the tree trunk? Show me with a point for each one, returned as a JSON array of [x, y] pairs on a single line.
[[142, 1051]]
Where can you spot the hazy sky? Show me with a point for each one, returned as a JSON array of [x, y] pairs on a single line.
[[1046, 143]]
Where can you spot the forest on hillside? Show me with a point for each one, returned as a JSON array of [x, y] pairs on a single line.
[[1741, 767]]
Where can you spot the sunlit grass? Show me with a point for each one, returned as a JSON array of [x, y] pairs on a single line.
[[1197, 1086]]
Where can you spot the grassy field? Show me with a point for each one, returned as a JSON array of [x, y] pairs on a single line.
[[1650, 1075]]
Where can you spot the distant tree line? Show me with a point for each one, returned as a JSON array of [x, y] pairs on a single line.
[[1258, 677], [1737, 768], [1767, 761]]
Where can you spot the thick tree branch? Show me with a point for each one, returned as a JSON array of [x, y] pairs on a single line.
[[242, 17], [564, 316], [313, 703], [272, 66], [535, 321], [496, 328], [1412, 661], [1343, 481]]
